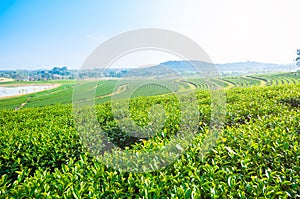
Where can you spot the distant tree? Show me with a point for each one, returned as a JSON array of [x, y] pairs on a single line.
[[298, 57]]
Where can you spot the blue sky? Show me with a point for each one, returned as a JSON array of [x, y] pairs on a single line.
[[46, 33]]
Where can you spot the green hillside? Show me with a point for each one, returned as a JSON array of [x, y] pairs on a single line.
[[256, 154]]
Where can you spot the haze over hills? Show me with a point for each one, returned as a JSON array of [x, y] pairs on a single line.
[[249, 66], [192, 67], [186, 68], [236, 67]]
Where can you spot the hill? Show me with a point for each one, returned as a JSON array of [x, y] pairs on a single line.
[[231, 68], [169, 68]]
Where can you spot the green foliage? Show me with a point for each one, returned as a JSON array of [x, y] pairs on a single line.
[[298, 57], [256, 155], [108, 88]]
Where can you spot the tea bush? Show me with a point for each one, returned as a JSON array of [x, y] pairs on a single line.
[[257, 154]]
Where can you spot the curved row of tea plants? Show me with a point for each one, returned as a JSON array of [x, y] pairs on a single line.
[[242, 81], [280, 78], [105, 88], [257, 154]]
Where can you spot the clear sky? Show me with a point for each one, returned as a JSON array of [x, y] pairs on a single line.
[[46, 33]]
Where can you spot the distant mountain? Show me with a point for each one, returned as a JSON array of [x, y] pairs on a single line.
[[255, 67], [190, 68], [230, 68], [165, 69]]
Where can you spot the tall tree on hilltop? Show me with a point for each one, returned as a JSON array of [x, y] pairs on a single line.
[[298, 57]]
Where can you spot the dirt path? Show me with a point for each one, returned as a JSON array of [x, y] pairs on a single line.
[[23, 104], [26, 84], [262, 81], [230, 84], [58, 91], [119, 90], [6, 79], [191, 85]]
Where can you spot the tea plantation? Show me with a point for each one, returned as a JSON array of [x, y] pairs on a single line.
[[256, 155]]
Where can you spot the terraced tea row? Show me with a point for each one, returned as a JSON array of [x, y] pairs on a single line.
[[256, 154], [105, 89]]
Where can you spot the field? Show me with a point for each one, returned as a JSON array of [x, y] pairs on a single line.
[[107, 88], [256, 155]]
